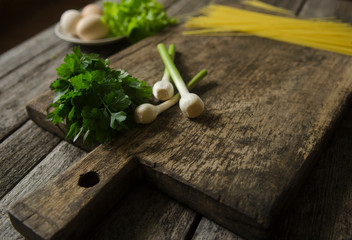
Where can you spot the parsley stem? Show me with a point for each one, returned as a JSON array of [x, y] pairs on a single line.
[[106, 106]]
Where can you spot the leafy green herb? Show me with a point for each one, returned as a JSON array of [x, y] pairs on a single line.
[[93, 99], [135, 19]]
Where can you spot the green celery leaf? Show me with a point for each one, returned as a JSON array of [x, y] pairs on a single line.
[[135, 19]]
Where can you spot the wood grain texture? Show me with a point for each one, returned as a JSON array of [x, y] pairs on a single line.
[[327, 9], [20, 153], [145, 213], [58, 160], [238, 163], [208, 230], [323, 207], [28, 81], [14, 58], [320, 9]]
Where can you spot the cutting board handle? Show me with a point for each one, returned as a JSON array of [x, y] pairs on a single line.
[[70, 205]]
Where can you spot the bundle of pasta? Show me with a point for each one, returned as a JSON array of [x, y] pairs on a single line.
[[325, 34]]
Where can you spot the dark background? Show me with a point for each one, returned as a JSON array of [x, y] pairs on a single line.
[[21, 19]]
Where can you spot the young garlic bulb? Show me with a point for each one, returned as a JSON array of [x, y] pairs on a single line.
[[191, 105], [163, 89]]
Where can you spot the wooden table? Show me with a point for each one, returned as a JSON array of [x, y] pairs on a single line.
[[31, 156]]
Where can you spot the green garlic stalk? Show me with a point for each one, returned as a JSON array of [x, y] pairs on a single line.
[[190, 104]]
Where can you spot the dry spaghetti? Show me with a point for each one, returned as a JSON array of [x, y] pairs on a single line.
[[218, 20], [268, 7]]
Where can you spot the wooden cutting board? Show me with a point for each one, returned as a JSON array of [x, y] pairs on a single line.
[[270, 108]]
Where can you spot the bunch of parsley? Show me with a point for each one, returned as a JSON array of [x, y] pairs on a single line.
[[135, 19], [93, 99]]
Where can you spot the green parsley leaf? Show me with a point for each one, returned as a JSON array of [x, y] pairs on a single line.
[[93, 99], [116, 120]]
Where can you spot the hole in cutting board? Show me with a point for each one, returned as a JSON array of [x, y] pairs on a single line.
[[88, 179]]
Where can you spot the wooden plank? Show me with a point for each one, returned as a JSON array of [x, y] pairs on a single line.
[[33, 47], [343, 11], [319, 9], [25, 83], [20, 153], [145, 213], [208, 230], [267, 124], [327, 8], [59, 159]]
